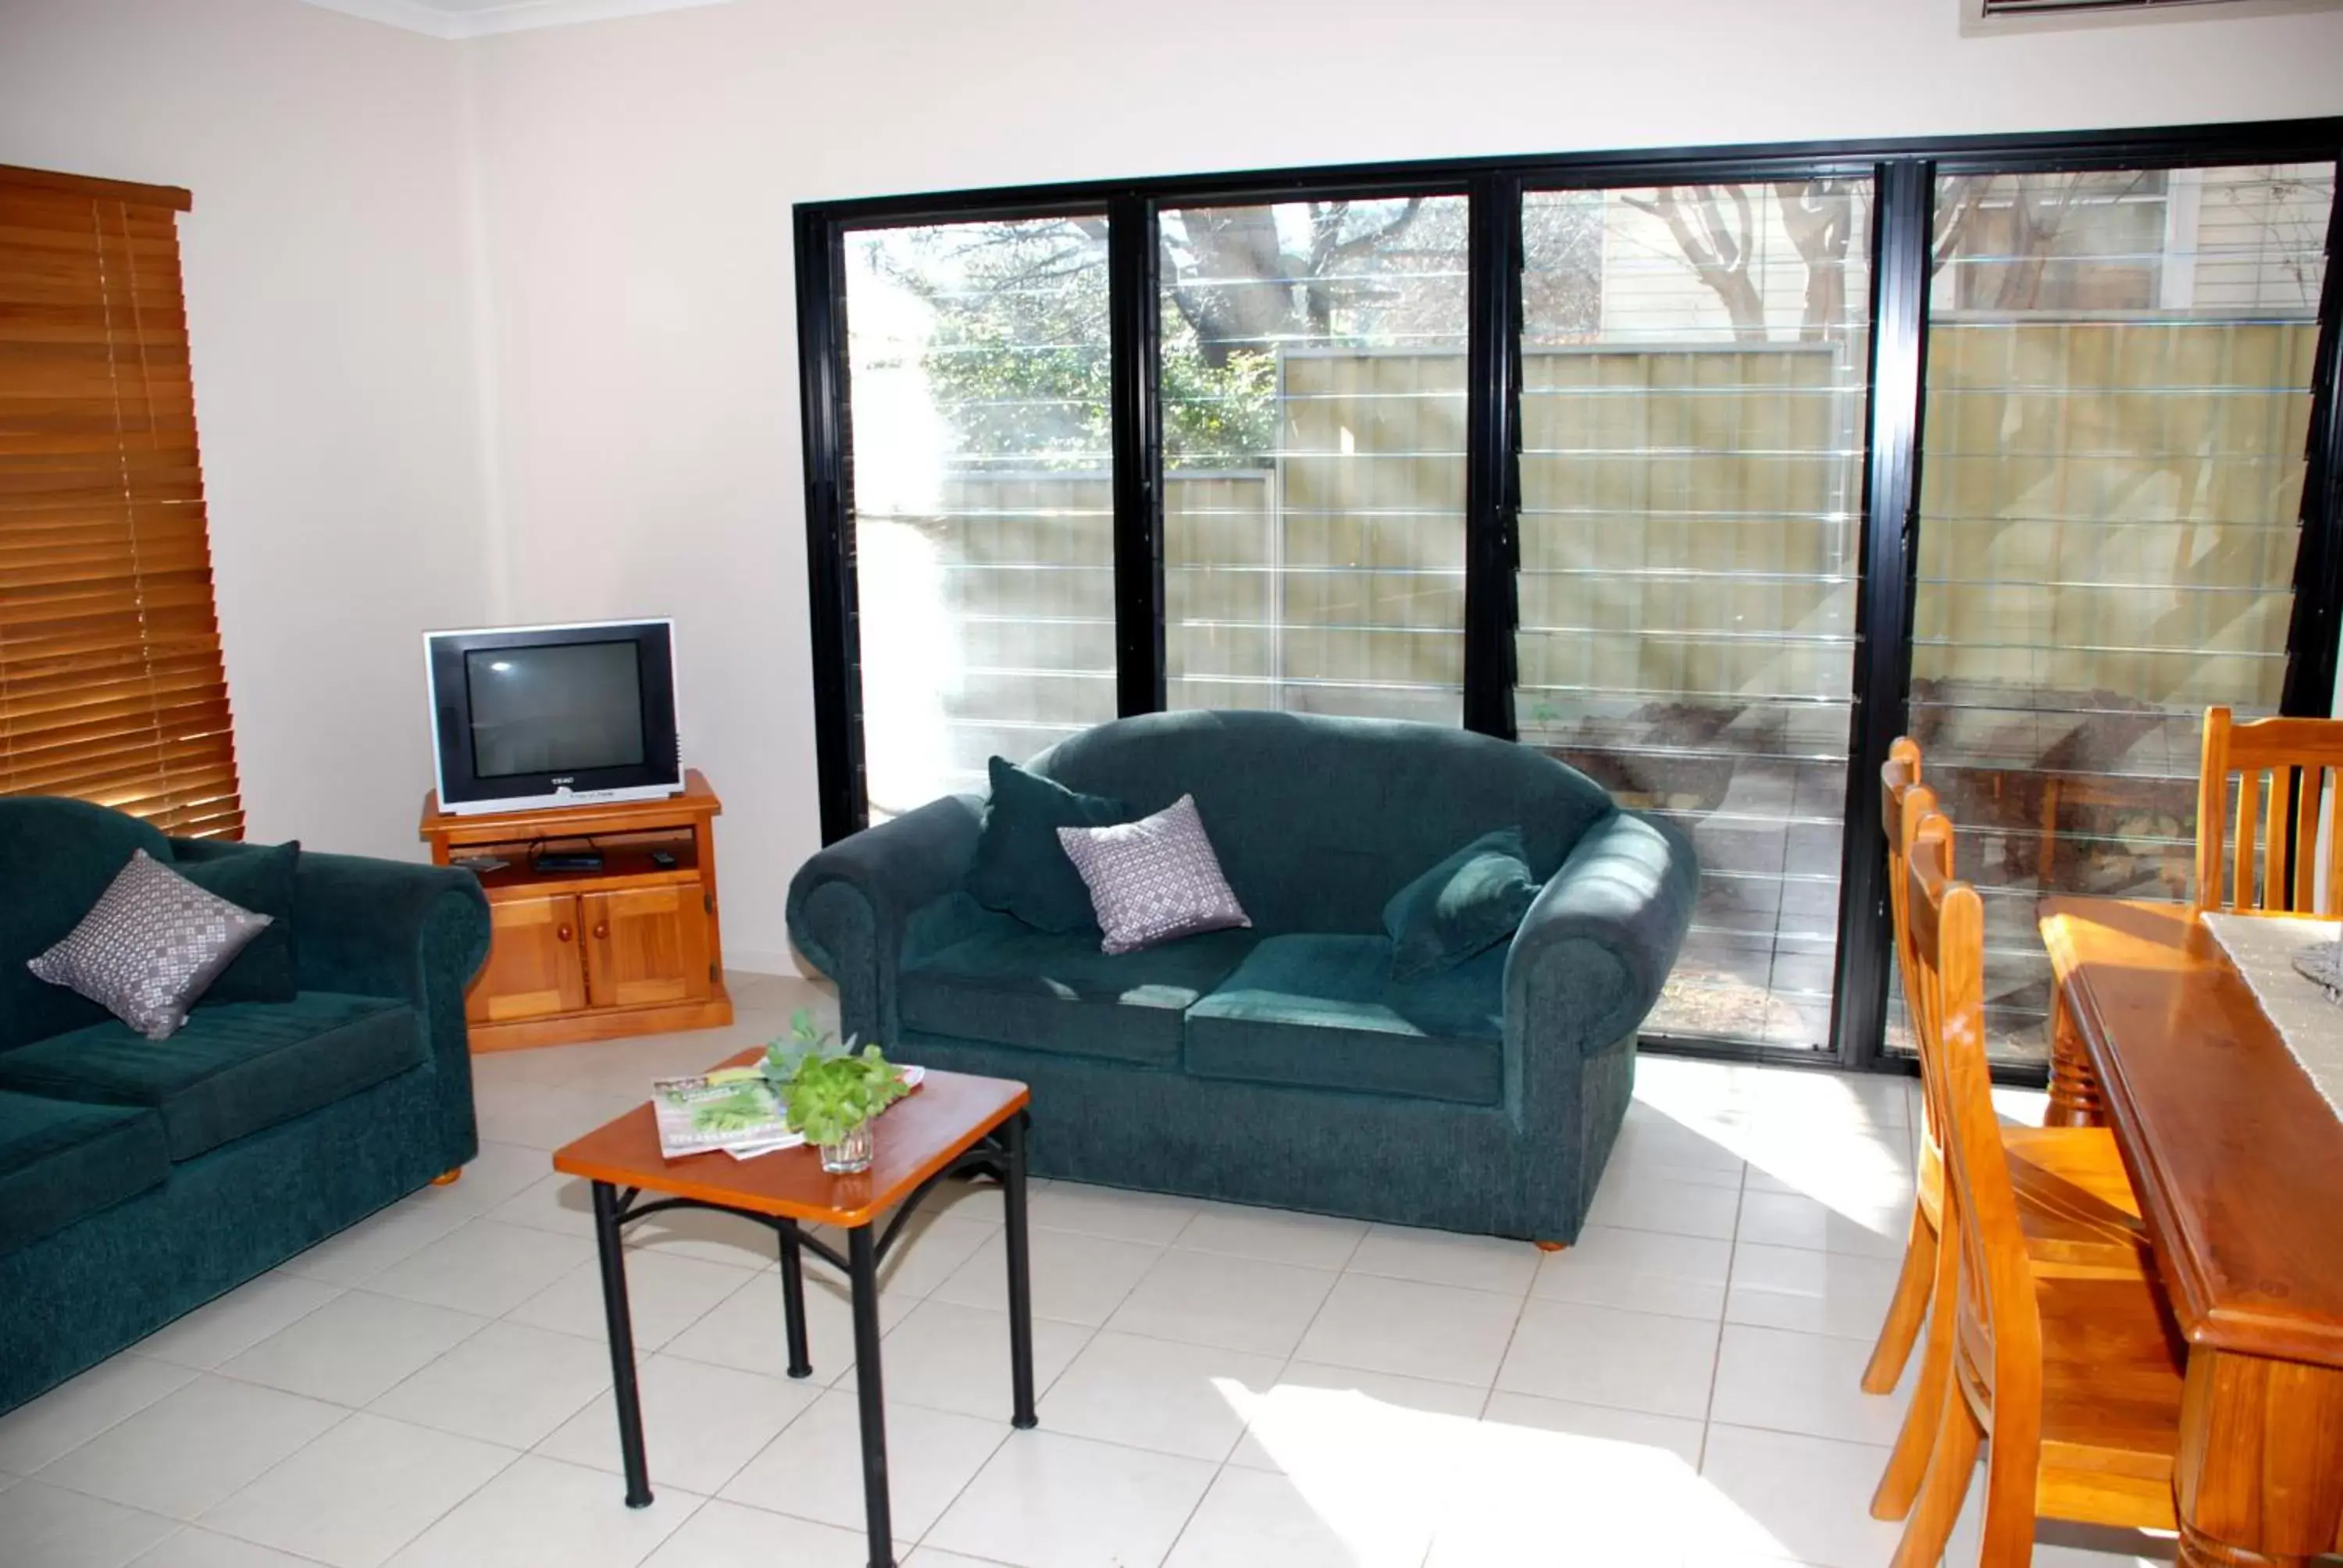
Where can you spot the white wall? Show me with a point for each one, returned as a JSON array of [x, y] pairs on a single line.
[[327, 270], [620, 436], [638, 176]]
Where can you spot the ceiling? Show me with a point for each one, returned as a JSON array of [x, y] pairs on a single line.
[[477, 18]]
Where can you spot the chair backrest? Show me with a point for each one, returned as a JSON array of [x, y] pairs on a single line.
[[1999, 1324], [2282, 766], [1919, 822], [1898, 777]]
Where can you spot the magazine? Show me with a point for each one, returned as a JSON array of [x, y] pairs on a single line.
[[735, 1108]]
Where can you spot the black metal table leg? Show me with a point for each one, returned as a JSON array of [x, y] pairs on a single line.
[[620, 1322], [1021, 1277], [862, 1278], [793, 1299]]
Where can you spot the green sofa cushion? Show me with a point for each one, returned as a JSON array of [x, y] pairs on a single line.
[[259, 878], [1324, 1012], [1011, 985], [60, 1160], [1470, 899], [56, 857], [230, 1069], [1020, 866]]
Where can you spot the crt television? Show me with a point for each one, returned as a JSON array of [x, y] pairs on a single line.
[[535, 716]]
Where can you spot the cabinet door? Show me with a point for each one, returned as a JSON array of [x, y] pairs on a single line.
[[535, 963], [647, 945]]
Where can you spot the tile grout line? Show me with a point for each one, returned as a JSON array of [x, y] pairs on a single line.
[[213, 1528], [1725, 1309], [1520, 1311], [1090, 1334], [514, 1458], [348, 1411], [34, 1473], [340, 1291], [1223, 1468], [328, 1430]]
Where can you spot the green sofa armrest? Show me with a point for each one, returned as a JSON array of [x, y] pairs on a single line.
[[850, 906], [1591, 954], [386, 927]]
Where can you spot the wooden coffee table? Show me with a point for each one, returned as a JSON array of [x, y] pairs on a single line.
[[952, 1124]]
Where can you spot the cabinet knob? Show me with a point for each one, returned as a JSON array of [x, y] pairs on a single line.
[[602, 932], [562, 933]]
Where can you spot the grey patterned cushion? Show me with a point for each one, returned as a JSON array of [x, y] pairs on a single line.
[[149, 947], [1153, 879]]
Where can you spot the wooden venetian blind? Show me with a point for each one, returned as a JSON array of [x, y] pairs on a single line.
[[111, 688]]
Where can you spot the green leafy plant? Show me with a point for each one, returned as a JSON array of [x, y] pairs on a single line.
[[832, 1095], [830, 1088], [805, 1042]]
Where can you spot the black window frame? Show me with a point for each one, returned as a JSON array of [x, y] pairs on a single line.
[[1903, 171]]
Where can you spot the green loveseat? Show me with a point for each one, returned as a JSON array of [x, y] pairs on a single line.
[[1283, 1064], [139, 1179]]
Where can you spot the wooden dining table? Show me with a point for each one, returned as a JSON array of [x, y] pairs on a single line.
[[2237, 1161]]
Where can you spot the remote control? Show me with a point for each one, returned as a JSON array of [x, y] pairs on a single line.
[[663, 859]]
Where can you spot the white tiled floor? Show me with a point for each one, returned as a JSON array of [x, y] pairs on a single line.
[[1222, 1386]]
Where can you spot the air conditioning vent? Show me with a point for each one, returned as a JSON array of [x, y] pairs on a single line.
[[2036, 7], [1987, 15]]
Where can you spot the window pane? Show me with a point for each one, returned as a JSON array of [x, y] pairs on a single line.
[[2118, 396], [980, 481], [1692, 372], [1313, 436]]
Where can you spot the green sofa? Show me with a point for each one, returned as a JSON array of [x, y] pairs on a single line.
[[140, 1178], [1283, 1064]]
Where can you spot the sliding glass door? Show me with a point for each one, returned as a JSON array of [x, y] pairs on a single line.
[[1692, 456], [1707, 472], [981, 530], [2119, 378], [1312, 393]]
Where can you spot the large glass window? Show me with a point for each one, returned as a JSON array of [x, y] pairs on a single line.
[[981, 520], [2118, 398], [1693, 361], [2115, 434], [1314, 438]]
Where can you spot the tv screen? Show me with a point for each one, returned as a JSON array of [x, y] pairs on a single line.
[[525, 716], [555, 710]]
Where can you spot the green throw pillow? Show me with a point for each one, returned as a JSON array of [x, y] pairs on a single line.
[[1472, 901], [258, 877], [1020, 867]]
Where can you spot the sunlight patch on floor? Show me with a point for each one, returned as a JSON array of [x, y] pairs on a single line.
[[1387, 1482]]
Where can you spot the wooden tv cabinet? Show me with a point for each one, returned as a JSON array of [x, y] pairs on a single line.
[[630, 948]]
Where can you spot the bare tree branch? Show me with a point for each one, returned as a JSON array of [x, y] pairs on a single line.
[[1958, 200], [1719, 258], [1819, 215], [1343, 249]]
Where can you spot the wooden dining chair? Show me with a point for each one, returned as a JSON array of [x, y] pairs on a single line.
[[2076, 1209], [1907, 1309], [2282, 765], [2070, 1379]]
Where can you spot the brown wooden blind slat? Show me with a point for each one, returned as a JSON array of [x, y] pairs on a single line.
[[111, 686]]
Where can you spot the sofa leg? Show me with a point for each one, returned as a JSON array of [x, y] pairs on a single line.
[[1552, 1246], [450, 1177]]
